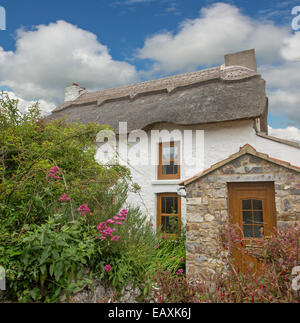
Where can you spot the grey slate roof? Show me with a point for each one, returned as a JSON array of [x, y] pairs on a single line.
[[207, 96]]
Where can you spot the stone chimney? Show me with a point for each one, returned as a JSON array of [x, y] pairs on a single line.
[[245, 58], [73, 92]]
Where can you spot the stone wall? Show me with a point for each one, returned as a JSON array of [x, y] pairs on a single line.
[[207, 206]]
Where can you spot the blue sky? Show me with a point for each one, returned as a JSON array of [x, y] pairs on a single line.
[[48, 45]]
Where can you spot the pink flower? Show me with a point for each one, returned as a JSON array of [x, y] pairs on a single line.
[[110, 221], [119, 223], [180, 272], [54, 172], [172, 257], [115, 238], [116, 218], [124, 213], [101, 226], [107, 268], [64, 198], [181, 259], [151, 225], [164, 237], [83, 210]]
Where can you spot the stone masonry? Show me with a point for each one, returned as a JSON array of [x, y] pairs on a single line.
[[207, 206]]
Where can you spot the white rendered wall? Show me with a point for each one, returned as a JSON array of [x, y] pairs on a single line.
[[220, 141]]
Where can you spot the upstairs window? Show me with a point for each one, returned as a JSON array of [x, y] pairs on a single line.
[[169, 160]]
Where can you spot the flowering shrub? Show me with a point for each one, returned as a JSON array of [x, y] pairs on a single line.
[[176, 289], [272, 281], [107, 232], [47, 235], [48, 170]]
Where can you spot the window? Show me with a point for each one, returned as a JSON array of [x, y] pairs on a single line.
[[253, 224], [252, 208], [169, 213], [169, 160]]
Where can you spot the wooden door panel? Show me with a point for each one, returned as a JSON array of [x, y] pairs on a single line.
[[252, 208]]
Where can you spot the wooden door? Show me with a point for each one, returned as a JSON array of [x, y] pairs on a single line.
[[252, 208]]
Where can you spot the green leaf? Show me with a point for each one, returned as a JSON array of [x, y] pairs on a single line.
[[58, 270]]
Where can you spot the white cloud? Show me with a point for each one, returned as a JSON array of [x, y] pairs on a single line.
[[220, 29], [289, 133], [51, 57], [291, 49], [283, 84], [23, 105]]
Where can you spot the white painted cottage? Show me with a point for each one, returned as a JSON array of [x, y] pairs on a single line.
[[176, 127]]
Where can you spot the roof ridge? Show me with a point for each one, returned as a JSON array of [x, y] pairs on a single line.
[[246, 149], [168, 83], [280, 140]]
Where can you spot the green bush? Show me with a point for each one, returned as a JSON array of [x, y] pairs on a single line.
[[139, 252], [47, 171], [51, 258]]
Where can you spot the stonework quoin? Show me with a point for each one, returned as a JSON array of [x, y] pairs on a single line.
[[207, 206]]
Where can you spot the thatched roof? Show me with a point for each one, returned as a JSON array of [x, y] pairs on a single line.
[[207, 96]]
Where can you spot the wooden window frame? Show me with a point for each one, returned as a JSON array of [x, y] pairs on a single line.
[[160, 214], [162, 176]]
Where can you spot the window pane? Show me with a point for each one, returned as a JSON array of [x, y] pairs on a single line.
[[169, 168], [247, 205], [247, 217], [258, 231], [174, 152], [169, 224], [170, 205], [257, 204], [248, 233], [166, 152], [258, 217]]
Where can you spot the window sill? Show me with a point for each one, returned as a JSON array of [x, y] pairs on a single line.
[[166, 182]]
